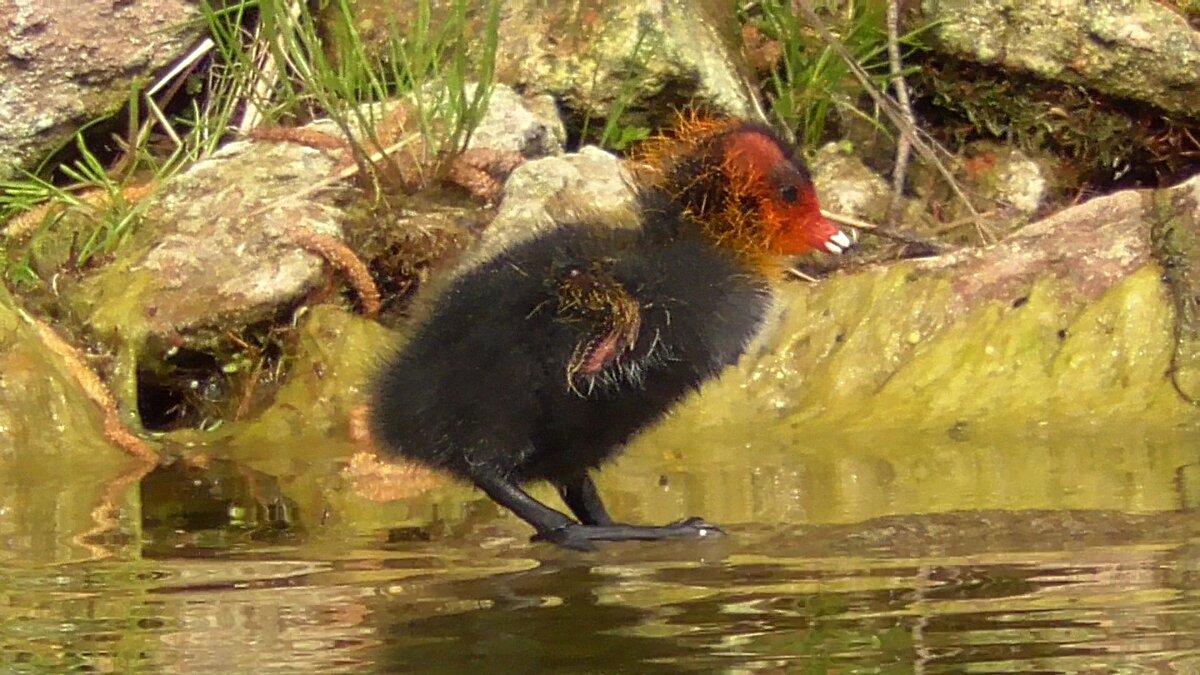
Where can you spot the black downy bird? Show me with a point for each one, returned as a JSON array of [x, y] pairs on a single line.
[[542, 362]]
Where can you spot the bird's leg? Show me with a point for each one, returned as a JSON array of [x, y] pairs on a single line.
[[508, 494], [557, 528], [579, 493]]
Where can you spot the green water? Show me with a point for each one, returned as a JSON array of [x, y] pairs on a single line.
[[1036, 552]]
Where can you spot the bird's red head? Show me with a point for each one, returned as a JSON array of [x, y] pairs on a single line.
[[741, 185], [762, 169]]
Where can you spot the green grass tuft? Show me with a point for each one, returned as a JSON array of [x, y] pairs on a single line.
[[811, 81], [273, 62]]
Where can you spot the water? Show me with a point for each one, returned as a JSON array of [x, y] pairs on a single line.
[[934, 555]]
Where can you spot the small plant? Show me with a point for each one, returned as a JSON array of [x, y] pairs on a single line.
[[96, 204], [810, 80], [618, 133], [325, 68], [265, 62]]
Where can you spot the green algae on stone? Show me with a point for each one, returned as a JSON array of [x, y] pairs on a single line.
[[328, 373], [214, 247], [212, 254], [1176, 240], [1041, 361], [55, 464], [1065, 323], [599, 57]]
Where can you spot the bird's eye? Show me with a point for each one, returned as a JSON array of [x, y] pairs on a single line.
[[789, 194]]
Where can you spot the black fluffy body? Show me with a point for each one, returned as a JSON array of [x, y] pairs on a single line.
[[482, 388]]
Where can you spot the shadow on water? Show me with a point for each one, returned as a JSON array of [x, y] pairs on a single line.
[[903, 554]]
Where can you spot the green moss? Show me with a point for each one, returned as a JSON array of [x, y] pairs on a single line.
[[1097, 138], [333, 357], [811, 83]]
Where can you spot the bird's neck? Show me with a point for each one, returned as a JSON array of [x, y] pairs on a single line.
[[728, 228]]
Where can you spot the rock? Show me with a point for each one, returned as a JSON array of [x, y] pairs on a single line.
[[591, 185], [650, 50], [512, 123], [214, 245], [847, 186], [67, 63], [1007, 175], [216, 248], [1007, 187], [55, 466], [647, 55], [1176, 241], [1140, 49], [336, 353], [666, 51]]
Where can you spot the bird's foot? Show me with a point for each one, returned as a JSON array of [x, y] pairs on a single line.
[[583, 537]]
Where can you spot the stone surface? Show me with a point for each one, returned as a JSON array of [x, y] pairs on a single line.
[[1008, 176], [590, 57], [593, 58], [1138, 49], [848, 186], [55, 465], [513, 123], [213, 246], [591, 185], [68, 62]]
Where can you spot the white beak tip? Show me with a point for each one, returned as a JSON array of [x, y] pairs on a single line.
[[838, 243]]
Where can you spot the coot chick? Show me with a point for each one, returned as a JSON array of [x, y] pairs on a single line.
[[541, 363]]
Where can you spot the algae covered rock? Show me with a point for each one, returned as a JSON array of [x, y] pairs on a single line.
[[598, 57], [1068, 322], [590, 57], [215, 245], [1140, 49], [56, 468]]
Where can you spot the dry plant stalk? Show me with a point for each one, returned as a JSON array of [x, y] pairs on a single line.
[[107, 511], [926, 146], [476, 170], [311, 138], [114, 429], [344, 260], [26, 223], [880, 231], [903, 144]]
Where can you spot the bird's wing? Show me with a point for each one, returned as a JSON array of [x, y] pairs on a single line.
[[605, 314]]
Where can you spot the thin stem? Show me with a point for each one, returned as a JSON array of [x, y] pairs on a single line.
[[903, 144]]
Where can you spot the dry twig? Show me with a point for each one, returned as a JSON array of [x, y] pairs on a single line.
[[26, 223], [106, 515], [924, 144], [880, 231], [903, 144]]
